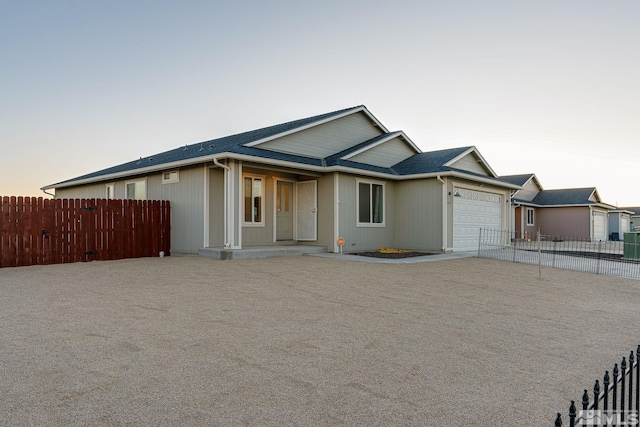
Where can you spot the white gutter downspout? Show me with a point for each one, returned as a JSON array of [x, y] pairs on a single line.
[[227, 179], [336, 211], [444, 213]]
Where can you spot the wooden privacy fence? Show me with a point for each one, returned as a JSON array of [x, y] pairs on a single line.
[[53, 231]]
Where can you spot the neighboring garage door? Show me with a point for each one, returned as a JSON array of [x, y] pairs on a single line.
[[473, 210], [624, 226], [599, 226]]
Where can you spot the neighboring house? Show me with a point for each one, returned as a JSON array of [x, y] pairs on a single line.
[[570, 212], [619, 223], [634, 217], [340, 174]]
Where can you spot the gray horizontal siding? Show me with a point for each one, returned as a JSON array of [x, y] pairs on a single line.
[[470, 163], [326, 139], [364, 238], [419, 214], [385, 155], [186, 197]]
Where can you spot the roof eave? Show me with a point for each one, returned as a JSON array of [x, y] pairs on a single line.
[[275, 162], [132, 172]]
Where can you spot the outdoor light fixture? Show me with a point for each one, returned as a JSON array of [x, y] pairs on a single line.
[[457, 194]]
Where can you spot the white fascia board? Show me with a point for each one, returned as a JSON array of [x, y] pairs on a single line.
[[319, 122], [623, 211], [389, 137], [578, 205], [477, 153], [455, 174]]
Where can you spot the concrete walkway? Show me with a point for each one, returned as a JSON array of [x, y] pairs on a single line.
[[409, 260]]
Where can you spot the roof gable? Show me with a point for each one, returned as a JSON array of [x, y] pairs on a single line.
[[529, 183], [384, 151], [472, 161]]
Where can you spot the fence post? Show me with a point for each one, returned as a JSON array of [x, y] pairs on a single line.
[[637, 380], [585, 405], [599, 256], [615, 388], [572, 414], [479, 241], [558, 422], [623, 368], [631, 359], [606, 381], [539, 255]]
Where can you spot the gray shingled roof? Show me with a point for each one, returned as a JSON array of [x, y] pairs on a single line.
[[569, 196], [516, 179], [429, 162], [635, 209], [232, 143], [420, 163]]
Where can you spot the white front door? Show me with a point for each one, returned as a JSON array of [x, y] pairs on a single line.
[[306, 210]]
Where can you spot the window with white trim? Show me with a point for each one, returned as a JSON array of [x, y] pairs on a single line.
[[253, 200], [170, 177], [530, 216], [136, 190], [109, 191], [370, 207]]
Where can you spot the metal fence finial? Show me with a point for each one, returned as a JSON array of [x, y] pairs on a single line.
[[558, 422]]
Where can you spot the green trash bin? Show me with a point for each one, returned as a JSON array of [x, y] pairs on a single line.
[[632, 245]]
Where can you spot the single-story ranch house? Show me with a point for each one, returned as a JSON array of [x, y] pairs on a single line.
[[314, 180], [569, 212]]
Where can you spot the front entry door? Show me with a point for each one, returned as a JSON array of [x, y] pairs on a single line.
[[306, 210], [284, 210]]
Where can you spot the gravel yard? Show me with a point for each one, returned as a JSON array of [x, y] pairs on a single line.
[[305, 341]]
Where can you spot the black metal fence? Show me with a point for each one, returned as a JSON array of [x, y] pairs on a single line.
[[614, 258], [616, 404]]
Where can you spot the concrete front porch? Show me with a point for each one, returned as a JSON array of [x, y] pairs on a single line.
[[254, 252]]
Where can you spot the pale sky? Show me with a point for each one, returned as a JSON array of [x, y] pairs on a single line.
[[548, 87]]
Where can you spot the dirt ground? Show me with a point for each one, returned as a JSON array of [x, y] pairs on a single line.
[[305, 341]]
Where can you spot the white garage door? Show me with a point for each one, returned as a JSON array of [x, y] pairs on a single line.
[[473, 210], [599, 228], [624, 226]]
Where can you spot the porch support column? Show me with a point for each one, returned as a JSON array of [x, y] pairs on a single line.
[[336, 211], [233, 204], [445, 226], [205, 197]]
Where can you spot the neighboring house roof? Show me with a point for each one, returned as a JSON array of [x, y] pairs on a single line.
[[569, 196], [247, 146], [634, 209], [566, 197]]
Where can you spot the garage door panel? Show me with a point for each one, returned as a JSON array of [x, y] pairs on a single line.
[[599, 226], [473, 210]]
